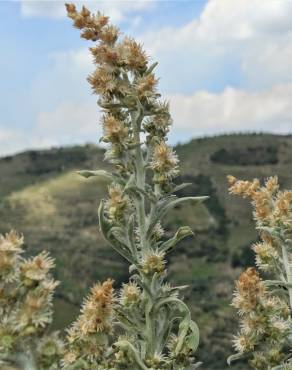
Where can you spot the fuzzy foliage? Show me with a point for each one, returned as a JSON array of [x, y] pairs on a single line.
[[26, 291], [264, 303], [145, 324]]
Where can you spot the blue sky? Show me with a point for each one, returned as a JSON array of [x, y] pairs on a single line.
[[225, 66]]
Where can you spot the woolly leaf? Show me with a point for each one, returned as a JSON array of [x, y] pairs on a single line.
[[181, 233], [193, 339], [234, 357]]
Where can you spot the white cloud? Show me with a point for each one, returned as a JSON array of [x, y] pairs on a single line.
[[244, 19], [198, 114], [117, 10], [75, 120], [16, 140], [233, 110], [251, 40], [252, 37], [228, 21], [11, 140], [67, 124]]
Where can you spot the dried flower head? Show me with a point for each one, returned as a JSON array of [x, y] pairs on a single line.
[[130, 294], [96, 313], [102, 82], [114, 130], [10, 251], [165, 162], [153, 262], [132, 54], [117, 204], [36, 268], [249, 291], [264, 311], [146, 86]]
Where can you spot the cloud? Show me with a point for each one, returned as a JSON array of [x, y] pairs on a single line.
[[201, 113], [16, 140], [117, 10], [68, 123], [74, 120], [230, 69], [233, 110], [227, 20], [243, 19], [243, 42]]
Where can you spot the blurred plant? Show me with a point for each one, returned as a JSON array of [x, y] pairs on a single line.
[[145, 325], [26, 291], [264, 304]]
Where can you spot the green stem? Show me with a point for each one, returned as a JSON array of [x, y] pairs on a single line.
[[140, 177], [124, 344], [140, 206], [288, 271], [150, 321], [186, 321]]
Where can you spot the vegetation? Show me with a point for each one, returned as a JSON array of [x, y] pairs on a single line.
[[145, 325], [56, 210], [26, 291], [264, 305]]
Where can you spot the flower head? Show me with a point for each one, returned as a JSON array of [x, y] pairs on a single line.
[[10, 250], [165, 162], [130, 294], [153, 262], [249, 291], [117, 203], [114, 130], [37, 268]]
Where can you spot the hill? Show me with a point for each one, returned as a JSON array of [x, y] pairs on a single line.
[[42, 196]]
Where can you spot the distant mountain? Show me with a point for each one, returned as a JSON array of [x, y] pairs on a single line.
[[42, 196]]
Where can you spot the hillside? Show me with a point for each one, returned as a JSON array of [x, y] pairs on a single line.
[[42, 196]]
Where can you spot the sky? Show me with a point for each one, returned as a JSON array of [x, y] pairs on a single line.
[[224, 65]]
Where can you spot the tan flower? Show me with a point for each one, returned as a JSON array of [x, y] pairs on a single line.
[[114, 130], [130, 294], [249, 291], [165, 160], [117, 204], [36, 268], [153, 262]]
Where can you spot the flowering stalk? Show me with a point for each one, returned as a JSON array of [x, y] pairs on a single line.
[[26, 291], [265, 305], [146, 325]]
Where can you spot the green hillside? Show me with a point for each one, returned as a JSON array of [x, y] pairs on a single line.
[[42, 196]]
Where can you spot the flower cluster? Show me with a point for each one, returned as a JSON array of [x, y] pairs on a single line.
[[26, 291], [128, 94], [263, 321], [264, 306], [151, 327], [88, 337], [164, 164], [118, 204]]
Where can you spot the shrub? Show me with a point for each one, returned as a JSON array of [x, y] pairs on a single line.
[[264, 300], [26, 291], [145, 324]]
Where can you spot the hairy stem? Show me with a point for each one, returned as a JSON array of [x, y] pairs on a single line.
[[288, 271]]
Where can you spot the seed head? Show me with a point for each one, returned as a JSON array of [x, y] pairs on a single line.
[[114, 130], [130, 294], [165, 161], [153, 262]]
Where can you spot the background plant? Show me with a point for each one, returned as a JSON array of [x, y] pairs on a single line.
[[264, 304], [145, 325], [26, 291]]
